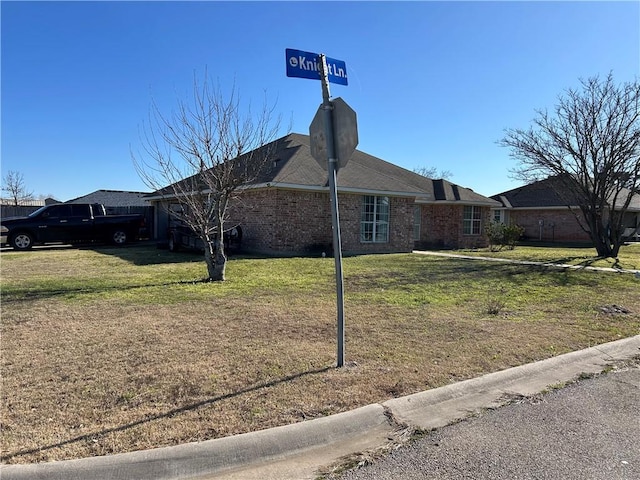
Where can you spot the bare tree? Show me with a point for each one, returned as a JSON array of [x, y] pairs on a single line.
[[201, 156], [14, 185], [432, 172], [591, 145]]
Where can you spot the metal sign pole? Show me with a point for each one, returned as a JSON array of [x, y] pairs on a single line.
[[332, 169]]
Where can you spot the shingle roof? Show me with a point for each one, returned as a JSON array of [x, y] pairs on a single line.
[[543, 193], [547, 193], [113, 198], [294, 167]]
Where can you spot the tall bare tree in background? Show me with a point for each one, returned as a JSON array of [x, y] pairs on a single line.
[[201, 155], [13, 184], [591, 145], [432, 172]]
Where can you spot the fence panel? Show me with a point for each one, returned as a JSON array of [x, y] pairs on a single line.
[[17, 211]]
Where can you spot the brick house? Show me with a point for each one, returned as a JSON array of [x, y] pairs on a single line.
[[383, 208], [548, 216]]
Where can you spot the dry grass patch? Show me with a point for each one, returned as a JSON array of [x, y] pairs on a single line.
[[92, 369]]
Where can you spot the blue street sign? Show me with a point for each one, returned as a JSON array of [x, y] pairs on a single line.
[[307, 65]]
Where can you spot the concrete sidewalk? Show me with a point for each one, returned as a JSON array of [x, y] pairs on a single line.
[[300, 450], [528, 262]]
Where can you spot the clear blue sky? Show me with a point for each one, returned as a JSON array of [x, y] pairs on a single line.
[[433, 83]]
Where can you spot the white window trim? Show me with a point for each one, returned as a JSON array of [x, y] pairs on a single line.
[[471, 221], [376, 221]]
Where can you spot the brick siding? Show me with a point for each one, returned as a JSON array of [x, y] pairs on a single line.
[[558, 225], [275, 220], [441, 227], [290, 221], [286, 221]]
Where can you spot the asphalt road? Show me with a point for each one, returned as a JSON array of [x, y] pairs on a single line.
[[586, 431]]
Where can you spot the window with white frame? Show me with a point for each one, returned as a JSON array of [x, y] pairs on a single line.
[[417, 222], [374, 221], [498, 215], [472, 220]]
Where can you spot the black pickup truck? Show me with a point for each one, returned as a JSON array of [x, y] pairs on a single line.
[[70, 223]]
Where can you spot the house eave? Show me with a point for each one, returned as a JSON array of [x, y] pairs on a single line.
[[495, 205], [169, 196], [322, 188], [421, 198], [553, 207]]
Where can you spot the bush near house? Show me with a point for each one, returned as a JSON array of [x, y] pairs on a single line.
[[501, 235]]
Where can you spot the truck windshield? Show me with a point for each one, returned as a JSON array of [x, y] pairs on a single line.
[[37, 212]]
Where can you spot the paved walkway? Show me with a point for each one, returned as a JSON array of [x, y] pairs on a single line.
[[527, 262]]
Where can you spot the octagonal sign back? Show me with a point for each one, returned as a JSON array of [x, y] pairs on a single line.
[[345, 134]]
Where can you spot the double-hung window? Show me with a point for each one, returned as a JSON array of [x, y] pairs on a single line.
[[374, 220], [472, 220], [499, 215]]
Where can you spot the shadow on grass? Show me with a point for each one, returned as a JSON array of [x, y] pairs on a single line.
[[161, 416], [459, 272], [585, 262], [148, 254], [581, 262], [143, 253], [16, 296]]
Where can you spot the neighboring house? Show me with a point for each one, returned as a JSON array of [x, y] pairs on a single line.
[[383, 208], [548, 216], [114, 198]]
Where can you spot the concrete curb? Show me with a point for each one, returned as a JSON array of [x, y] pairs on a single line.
[[203, 458], [442, 406], [296, 451]]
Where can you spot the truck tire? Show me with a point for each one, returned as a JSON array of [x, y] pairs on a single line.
[[119, 237], [21, 241]]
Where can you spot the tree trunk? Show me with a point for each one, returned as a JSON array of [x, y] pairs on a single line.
[[606, 246], [604, 249], [615, 246], [599, 232], [220, 264], [216, 260]]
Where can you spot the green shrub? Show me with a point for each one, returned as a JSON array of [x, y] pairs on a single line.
[[501, 235]]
